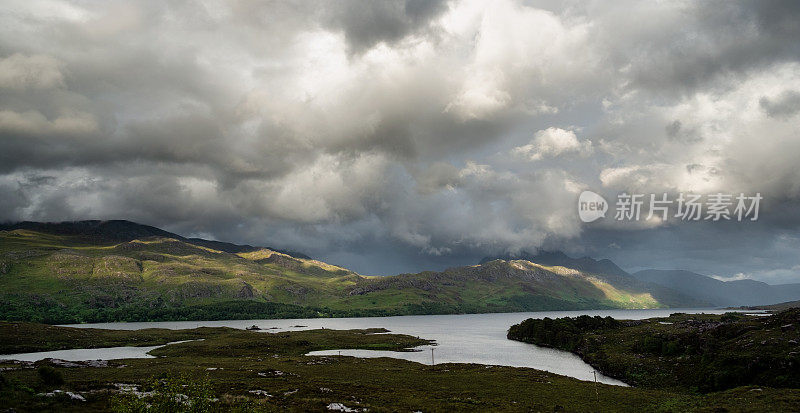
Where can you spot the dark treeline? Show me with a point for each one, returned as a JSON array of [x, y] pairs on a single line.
[[562, 333], [700, 353], [48, 311]]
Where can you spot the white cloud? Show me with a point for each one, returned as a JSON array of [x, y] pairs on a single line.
[[734, 146], [518, 52], [789, 275], [553, 142], [735, 277], [331, 188]]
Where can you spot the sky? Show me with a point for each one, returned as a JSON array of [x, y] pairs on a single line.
[[403, 136]]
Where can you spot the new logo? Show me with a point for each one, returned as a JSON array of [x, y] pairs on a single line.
[[591, 206]]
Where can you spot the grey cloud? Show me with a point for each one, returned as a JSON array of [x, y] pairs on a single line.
[[677, 132], [673, 128], [693, 45], [19, 71], [782, 106], [13, 201], [779, 18], [437, 176], [366, 24], [363, 24]]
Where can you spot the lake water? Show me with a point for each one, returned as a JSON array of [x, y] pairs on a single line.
[[460, 338], [84, 354]]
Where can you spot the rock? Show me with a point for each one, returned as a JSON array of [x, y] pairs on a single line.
[[282, 260], [246, 291], [273, 373], [340, 408], [20, 363], [64, 363], [96, 363], [787, 327], [126, 387], [132, 389], [88, 363], [71, 395]]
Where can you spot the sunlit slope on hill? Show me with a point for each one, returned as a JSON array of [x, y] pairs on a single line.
[[71, 278]]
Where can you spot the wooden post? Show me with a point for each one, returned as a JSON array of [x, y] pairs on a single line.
[[596, 393]]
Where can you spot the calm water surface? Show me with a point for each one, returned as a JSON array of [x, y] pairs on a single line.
[[460, 338], [83, 354]]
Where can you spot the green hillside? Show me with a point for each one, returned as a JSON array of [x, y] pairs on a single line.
[[68, 276]]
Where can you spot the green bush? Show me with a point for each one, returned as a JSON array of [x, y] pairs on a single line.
[[50, 376], [730, 317], [169, 394]]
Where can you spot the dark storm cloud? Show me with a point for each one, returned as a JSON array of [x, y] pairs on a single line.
[[693, 45], [400, 136], [783, 106], [779, 18], [366, 24]]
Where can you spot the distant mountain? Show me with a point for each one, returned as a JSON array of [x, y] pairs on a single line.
[[97, 231], [773, 307], [610, 272], [721, 293], [522, 285], [94, 230], [684, 285]]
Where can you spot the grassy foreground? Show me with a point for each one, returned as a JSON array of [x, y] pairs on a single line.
[[235, 370]]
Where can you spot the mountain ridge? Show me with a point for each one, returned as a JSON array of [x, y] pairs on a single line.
[[120, 230], [93, 271], [118, 270], [588, 264], [697, 286], [723, 293]]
